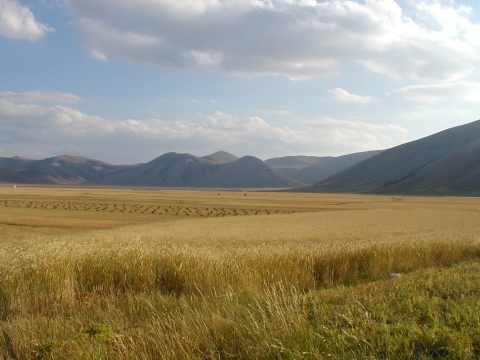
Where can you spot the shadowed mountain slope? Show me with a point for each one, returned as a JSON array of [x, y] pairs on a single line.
[[294, 162], [170, 169], [14, 162], [312, 169], [443, 163], [61, 170], [253, 172], [221, 157], [7, 176]]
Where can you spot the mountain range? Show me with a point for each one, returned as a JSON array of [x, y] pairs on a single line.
[[444, 163], [218, 170], [185, 170]]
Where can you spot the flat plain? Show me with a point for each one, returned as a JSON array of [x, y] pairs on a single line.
[[112, 273]]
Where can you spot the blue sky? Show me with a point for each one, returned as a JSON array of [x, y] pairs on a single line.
[[125, 81]]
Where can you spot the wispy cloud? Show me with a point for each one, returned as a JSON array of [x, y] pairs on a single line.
[[343, 96], [18, 22], [460, 90], [40, 96]]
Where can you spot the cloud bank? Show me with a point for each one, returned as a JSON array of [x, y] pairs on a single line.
[[18, 22], [429, 40], [33, 130]]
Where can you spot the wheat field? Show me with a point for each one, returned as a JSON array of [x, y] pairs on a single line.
[[97, 273]]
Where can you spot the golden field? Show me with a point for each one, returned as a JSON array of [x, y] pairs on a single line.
[[101, 273]]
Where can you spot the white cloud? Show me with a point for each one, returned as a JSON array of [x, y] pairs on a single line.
[[460, 90], [33, 122], [18, 22], [40, 96], [344, 96], [30, 128], [430, 40]]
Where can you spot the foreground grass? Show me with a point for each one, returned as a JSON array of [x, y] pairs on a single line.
[[431, 313]]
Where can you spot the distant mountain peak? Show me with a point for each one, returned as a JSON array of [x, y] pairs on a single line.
[[71, 159], [20, 158], [221, 157], [249, 159]]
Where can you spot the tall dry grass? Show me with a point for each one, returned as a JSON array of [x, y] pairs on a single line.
[[62, 271], [226, 288]]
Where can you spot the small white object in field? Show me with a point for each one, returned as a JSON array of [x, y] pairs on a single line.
[[394, 275]]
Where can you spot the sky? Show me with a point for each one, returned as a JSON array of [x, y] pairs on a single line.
[[125, 81]]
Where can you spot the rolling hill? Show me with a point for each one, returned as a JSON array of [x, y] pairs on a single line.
[[447, 162], [312, 169]]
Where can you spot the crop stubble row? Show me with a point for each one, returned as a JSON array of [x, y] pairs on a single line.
[[139, 209]]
